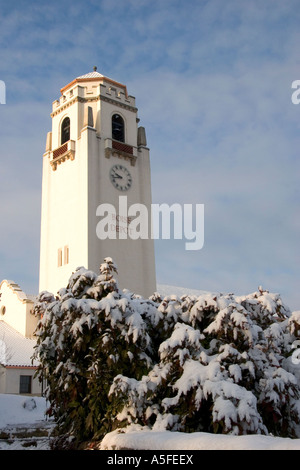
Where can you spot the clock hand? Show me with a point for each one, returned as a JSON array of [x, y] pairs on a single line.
[[115, 175]]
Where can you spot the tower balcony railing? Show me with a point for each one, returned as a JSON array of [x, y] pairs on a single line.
[[65, 152], [115, 148]]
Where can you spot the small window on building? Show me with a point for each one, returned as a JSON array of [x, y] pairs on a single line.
[[66, 254], [65, 130], [25, 383], [59, 257], [118, 128]]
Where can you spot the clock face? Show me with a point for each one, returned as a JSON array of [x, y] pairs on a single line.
[[120, 177]]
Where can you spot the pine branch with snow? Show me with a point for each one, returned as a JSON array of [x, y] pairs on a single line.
[[86, 336], [222, 368], [215, 363]]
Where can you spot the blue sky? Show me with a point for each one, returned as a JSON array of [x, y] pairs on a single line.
[[212, 81]]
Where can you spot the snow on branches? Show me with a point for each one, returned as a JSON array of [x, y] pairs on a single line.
[[215, 363]]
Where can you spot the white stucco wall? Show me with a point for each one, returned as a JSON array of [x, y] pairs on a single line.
[[10, 380], [16, 308], [72, 193]]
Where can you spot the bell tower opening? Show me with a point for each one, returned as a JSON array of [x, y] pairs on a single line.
[[118, 128], [65, 130]]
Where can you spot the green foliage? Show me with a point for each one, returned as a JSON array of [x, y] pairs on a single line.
[[213, 363], [222, 366], [86, 335]]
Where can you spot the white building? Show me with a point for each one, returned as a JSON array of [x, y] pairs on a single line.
[[17, 325], [95, 153]]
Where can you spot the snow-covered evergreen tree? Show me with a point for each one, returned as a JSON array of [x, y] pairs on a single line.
[[223, 368], [214, 363], [87, 335]]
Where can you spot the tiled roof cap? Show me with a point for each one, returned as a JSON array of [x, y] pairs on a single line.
[[92, 75]]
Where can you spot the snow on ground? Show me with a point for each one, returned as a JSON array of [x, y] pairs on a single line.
[[19, 412], [23, 425], [165, 290], [167, 440], [20, 409]]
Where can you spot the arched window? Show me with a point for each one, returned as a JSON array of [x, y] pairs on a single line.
[[118, 128], [65, 130]]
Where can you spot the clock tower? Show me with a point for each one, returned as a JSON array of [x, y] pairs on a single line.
[[95, 157]]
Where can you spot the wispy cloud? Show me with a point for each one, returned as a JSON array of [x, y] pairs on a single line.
[[212, 81]]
